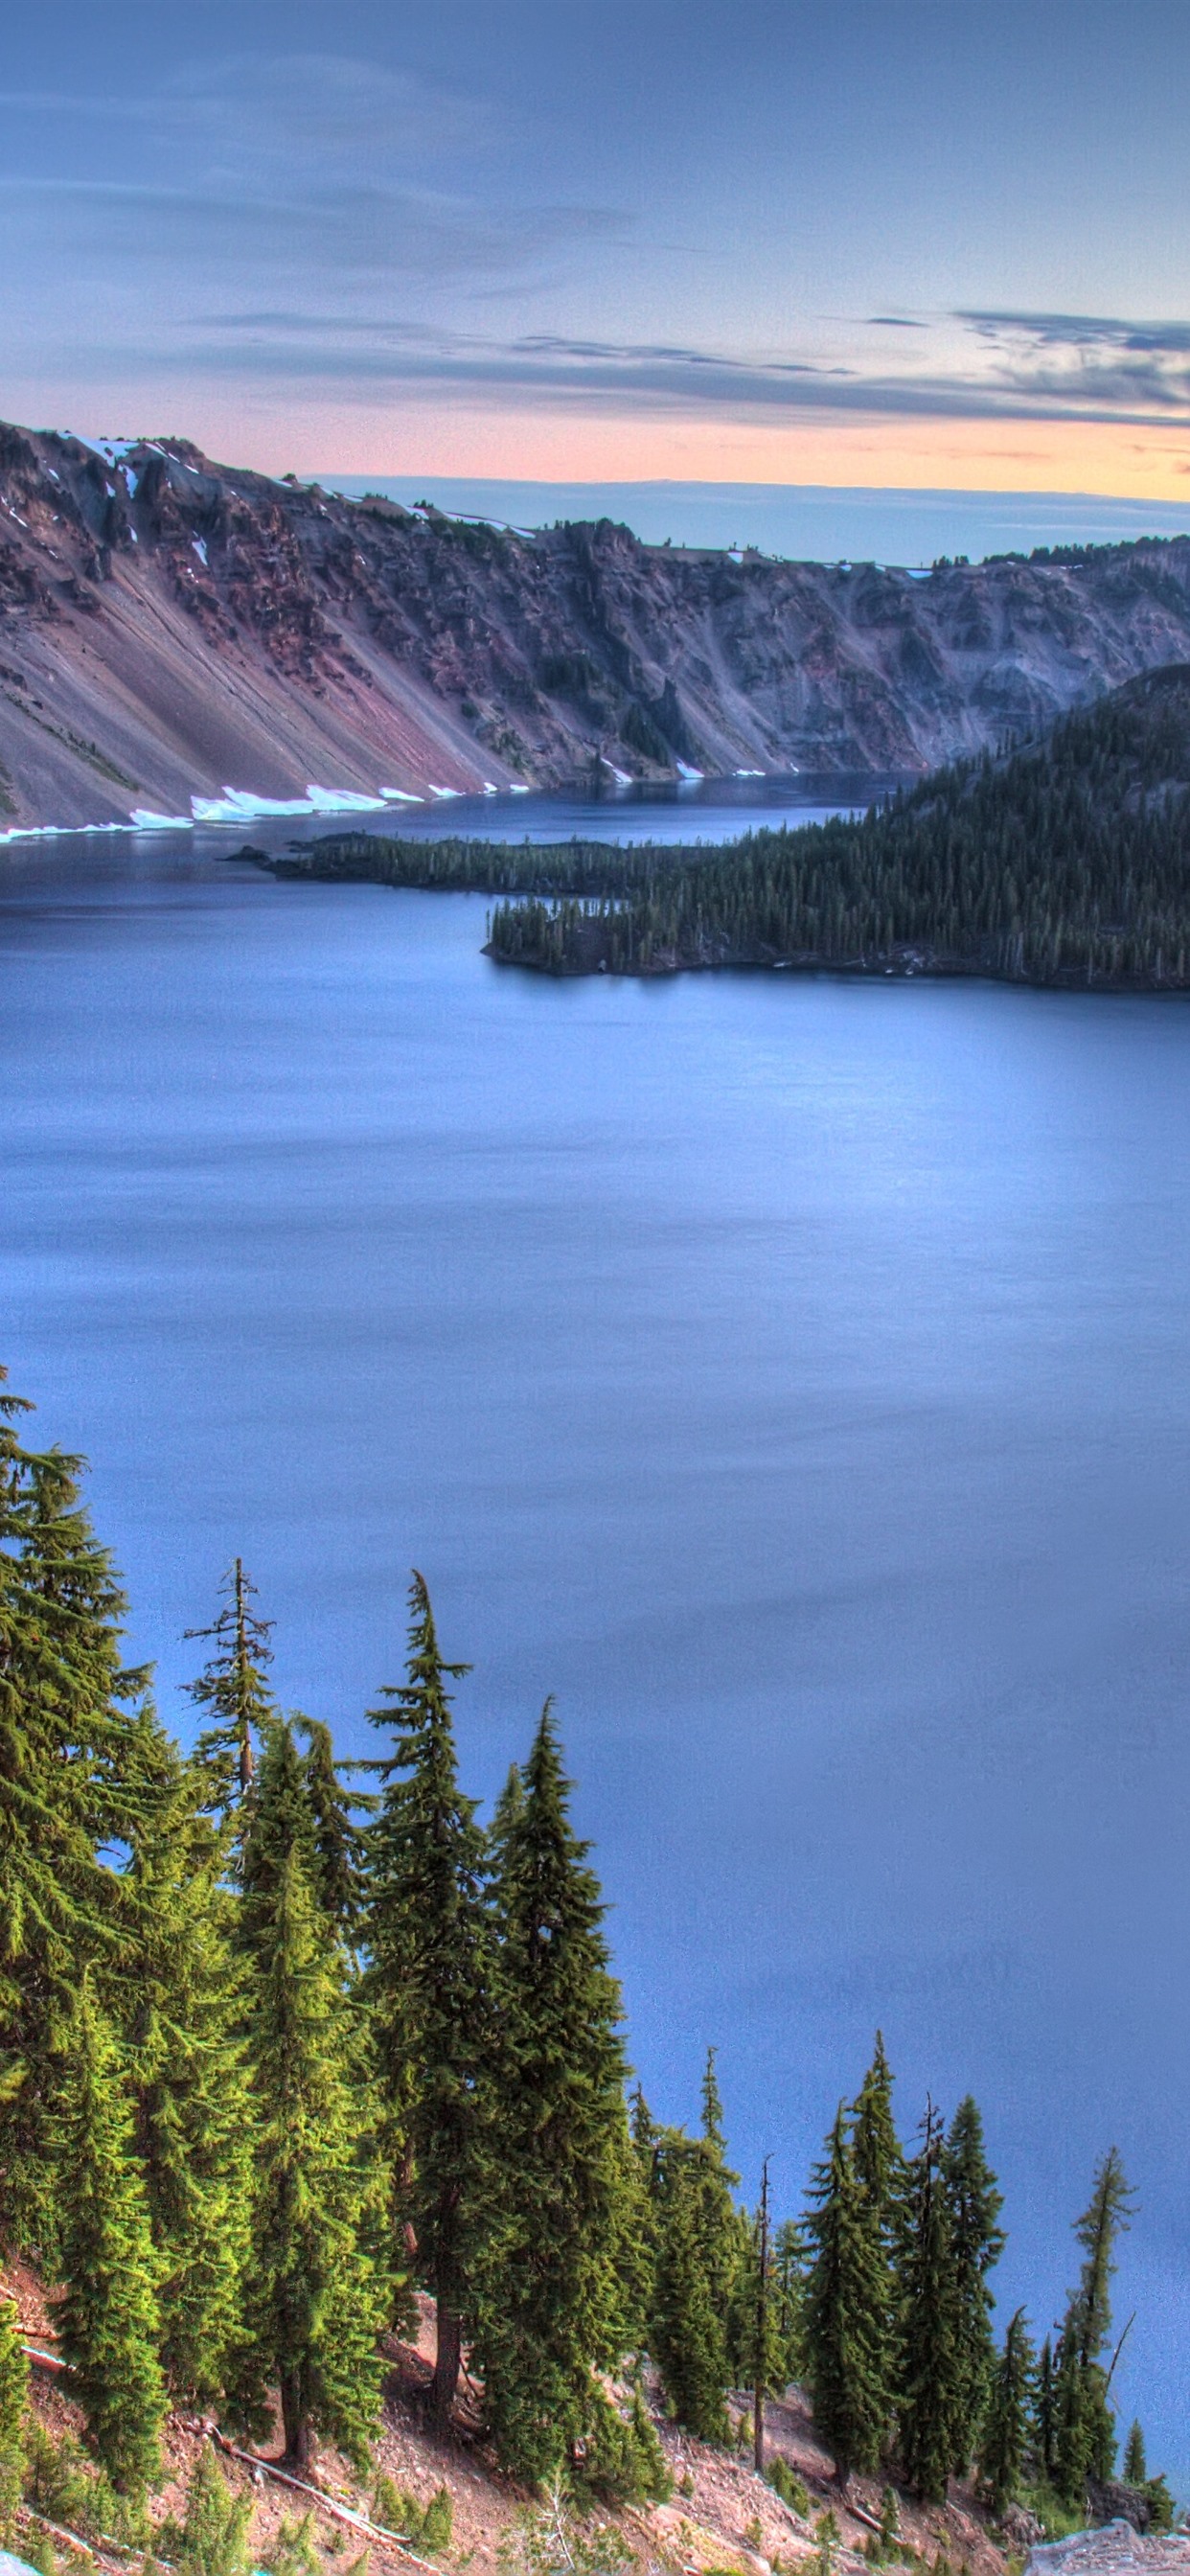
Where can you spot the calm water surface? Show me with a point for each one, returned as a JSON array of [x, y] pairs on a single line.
[[790, 1375]]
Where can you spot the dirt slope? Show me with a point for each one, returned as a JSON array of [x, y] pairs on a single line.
[[169, 628]]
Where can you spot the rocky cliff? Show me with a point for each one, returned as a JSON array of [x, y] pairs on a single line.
[[169, 628]]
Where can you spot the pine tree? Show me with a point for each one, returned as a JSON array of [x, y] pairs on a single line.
[[14, 2387], [882, 2176], [977, 2243], [1005, 2430], [1044, 2426], [561, 2180], [790, 2259], [429, 1945], [846, 2324], [688, 2339], [107, 2317], [193, 2108], [316, 2295], [712, 2106], [233, 1690], [67, 1728], [930, 2394], [338, 1856], [1085, 2443], [1135, 2466]]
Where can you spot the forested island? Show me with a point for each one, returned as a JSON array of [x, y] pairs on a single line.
[[1063, 861], [280, 2052]]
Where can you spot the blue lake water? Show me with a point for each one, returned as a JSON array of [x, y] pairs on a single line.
[[791, 1375]]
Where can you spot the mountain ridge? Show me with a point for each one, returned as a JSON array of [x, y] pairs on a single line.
[[170, 628]]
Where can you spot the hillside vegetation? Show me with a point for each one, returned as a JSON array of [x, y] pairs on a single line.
[[315, 2128], [1066, 861]]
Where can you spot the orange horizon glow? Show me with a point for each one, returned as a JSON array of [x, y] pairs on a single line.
[[552, 444]]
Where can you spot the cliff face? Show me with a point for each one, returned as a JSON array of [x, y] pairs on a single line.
[[169, 627]]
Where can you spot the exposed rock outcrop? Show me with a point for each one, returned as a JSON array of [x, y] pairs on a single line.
[[169, 627]]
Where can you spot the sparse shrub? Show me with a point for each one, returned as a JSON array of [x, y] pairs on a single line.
[[551, 2539], [785, 2483], [293, 2552], [685, 2484], [826, 2533], [753, 2533], [213, 2540], [438, 2522]]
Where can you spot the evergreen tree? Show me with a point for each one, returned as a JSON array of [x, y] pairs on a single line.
[[1044, 2426], [846, 2326], [1135, 2466], [688, 2339], [14, 2386], [930, 2394], [428, 1980], [977, 2243], [316, 2296], [789, 2269], [107, 2317], [234, 1692], [882, 2176], [561, 2190], [67, 1729], [1085, 2444], [712, 2106], [1005, 2431], [338, 1858], [193, 2108]]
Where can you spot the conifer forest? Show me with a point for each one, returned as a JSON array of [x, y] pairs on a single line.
[[286, 2042]]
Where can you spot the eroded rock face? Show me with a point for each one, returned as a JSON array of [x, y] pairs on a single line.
[[169, 626], [1114, 2550]]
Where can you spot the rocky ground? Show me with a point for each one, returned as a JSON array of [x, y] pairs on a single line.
[[722, 2519], [170, 627]]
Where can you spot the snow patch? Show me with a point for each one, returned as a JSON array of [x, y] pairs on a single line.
[[443, 791], [200, 551], [401, 796], [620, 775], [684, 770]]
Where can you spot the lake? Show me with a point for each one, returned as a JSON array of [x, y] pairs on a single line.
[[792, 1375]]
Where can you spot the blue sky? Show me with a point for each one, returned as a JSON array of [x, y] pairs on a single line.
[[867, 242]]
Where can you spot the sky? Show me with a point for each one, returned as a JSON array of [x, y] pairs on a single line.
[[928, 244]]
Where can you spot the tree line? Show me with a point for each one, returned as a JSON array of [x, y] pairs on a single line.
[[278, 2048], [1062, 861]]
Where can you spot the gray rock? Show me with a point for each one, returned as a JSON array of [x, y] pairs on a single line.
[[1114, 2550]]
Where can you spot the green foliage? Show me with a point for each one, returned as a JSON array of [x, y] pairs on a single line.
[[68, 1777], [1160, 2503], [622, 2460], [977, 2242], [107, 2316], [193, 2109], [688, 2338], [213, 2540], [562, 2188], [1135, 2469], [847, 2319], [14, 2389], [1084, 2437], [829, 2539], [233, 1692], [930, 2400], [785, 2483], [1004, 2435], [429, 1980], [555, 2539], [294, 2551], [68, 2488], [316, 2296], [428, 2526], [1064, 862]]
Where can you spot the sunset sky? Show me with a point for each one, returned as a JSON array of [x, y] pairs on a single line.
[[864, 242]]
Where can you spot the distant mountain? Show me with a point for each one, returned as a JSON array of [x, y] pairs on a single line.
[[169, 628], [1066, 861]]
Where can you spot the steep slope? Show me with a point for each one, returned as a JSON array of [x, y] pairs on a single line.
[[1065, 861], [169, 627]]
